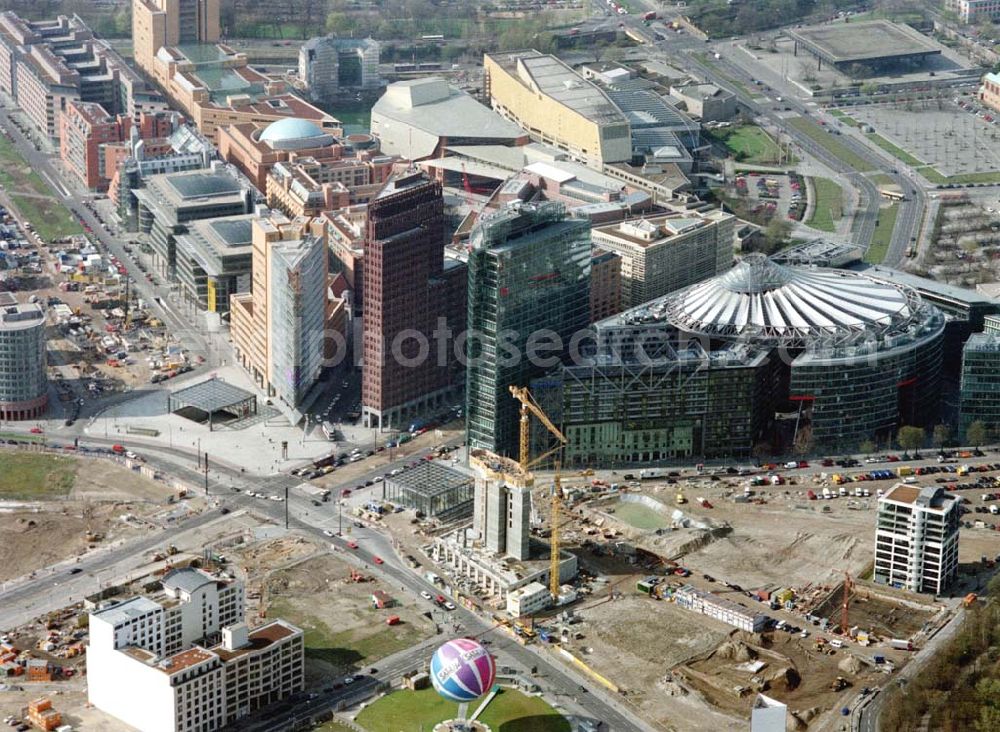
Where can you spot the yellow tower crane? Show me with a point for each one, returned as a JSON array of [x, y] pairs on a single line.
[[528, 407]]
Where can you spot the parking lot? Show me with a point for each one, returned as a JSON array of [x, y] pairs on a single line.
[[952, 139]]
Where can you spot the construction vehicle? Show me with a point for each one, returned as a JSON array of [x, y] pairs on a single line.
[[356, 576], [680, 499], [529, 407], [838, 684]]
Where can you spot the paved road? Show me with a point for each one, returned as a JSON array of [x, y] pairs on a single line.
[[228, 482]]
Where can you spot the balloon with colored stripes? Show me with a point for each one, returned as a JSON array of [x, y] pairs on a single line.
[[462, 670]]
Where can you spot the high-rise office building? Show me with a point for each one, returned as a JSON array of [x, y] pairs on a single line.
[[529, 287], [329, 64], [661, 254], [916, 538], [410, 291], [159, 23], [23, 375], [980, 386], [279, 328]]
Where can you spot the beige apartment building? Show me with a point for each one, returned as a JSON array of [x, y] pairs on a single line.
[[660, 254], [557, 106]]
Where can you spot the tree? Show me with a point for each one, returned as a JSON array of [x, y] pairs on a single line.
[[941, 435], [867, 447], [976, 433], [911, 438]]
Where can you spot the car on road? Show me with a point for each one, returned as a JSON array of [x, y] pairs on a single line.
[[352, 545], [378, 560], [327, 532], [75, 570], [426, 595], [36, 430], [449, 605], [349, 680]]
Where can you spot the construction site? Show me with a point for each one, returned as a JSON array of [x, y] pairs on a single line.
[[350, 618], [101, 501]]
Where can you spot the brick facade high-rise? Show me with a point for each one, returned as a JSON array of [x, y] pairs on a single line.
[[408, 295]]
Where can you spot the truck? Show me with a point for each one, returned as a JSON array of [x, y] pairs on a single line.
[[652, 473], [901, 644], [827, 493], [903, 470], [970, 599]]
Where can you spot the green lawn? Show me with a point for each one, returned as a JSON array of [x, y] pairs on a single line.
[[828, 207], [15, 173], [50, 218], [934, 176], [333, 726], [510, 711], [831, 144], [894, 150], [348, 649], [845, 118], [640, 516], [748, 144], [883, 234], [31, 476]]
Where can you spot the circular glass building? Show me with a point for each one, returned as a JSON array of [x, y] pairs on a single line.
[[863, 355]]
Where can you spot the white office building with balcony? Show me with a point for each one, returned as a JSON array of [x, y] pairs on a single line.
[[916, 538]]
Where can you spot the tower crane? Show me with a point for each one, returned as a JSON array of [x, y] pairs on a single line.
[[528, 407]]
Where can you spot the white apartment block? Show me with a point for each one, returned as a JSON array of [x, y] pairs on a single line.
[[661, 254], [916, 538], [975, 11], [185, 662]]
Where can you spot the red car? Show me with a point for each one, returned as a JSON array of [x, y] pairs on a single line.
[[377, 560], [36, 430], [352, 545]]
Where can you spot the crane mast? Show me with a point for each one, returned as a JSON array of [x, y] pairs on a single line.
[[529, 407]]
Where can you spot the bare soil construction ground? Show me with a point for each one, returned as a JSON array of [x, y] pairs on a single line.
[[95, 494], [344, 631], [68, 698]]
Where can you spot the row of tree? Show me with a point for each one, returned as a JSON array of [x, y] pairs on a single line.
[[959, 689]]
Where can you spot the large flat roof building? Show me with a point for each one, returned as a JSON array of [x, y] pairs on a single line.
[[557, 106], [660, 254], [874, 44], [168, 203], [416, 119], [213, 260]]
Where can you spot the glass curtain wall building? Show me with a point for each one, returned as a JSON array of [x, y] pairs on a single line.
[[529, 283]]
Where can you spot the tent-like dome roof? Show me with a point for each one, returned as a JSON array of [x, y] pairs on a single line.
[[293, 133], [793, 306]]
